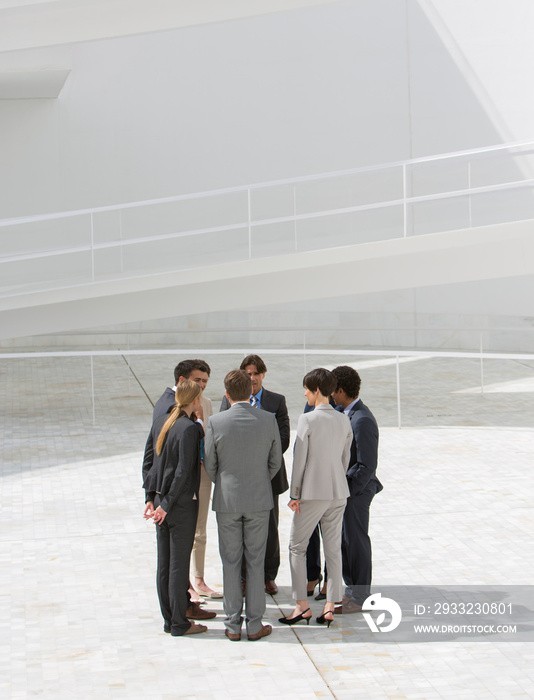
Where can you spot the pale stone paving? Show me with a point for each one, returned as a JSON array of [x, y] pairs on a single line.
[[79, 616]]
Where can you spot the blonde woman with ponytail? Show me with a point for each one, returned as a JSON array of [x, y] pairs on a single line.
[[172, 501]]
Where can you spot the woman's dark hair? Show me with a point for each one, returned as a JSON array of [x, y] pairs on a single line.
[[321, 379]]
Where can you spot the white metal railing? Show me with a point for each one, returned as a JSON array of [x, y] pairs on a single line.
[[396, 356], [450, 191]]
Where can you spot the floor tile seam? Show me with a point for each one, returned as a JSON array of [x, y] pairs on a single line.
[[56, 538], [478, 428], [379, 516], [294, 630]]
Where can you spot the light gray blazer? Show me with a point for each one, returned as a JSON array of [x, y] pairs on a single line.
[[242, 453], [321, 455]]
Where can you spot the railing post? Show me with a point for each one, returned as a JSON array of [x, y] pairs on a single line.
[[120, 238], [249, 225], [93, 391], [295, 216], [92, 249], [481, 367], [398, 394], [404, 204]]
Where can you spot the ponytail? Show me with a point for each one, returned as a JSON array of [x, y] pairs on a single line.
[[186, 392]]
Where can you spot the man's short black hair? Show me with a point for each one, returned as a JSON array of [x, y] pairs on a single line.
[[349, 380], [321, 379], [185, 367], [256, 361]]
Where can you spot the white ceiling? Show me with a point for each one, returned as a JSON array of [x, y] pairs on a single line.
[[26, 24]]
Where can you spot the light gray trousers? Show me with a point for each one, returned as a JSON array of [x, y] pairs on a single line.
[[243, 533], [330, 515]]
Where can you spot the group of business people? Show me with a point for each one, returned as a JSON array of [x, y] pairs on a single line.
[[241, 454]]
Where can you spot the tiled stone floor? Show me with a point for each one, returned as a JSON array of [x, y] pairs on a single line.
[[78, 607]]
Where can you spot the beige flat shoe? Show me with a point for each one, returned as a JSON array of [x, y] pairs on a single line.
[[195, 629]]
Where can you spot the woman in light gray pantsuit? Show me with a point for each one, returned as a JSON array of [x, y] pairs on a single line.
[[319, 492]]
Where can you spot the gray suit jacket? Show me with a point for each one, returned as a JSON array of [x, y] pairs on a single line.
[[274, 403], [242, 453], [321, 455]]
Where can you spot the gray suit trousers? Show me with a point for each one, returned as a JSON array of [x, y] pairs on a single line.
[[330, 515], [243, 535]]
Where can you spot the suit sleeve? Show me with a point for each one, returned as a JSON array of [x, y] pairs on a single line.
[[275, 453], [188, 454], [210, 453], [347, 447], [148, 461], [364, 455], [282, 418], [300, 456]]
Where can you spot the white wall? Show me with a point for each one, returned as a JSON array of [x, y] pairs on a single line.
[[307, 91]]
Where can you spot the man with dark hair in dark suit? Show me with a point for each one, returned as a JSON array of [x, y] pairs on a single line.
[[363, 485], [267, 400]]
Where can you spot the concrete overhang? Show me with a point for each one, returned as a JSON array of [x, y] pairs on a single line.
[[491, 252]]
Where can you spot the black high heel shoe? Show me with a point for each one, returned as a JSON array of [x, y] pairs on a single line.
[[297, 618], [322, 618], [317, 582]]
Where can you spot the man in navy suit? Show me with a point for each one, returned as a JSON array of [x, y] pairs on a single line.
[[363, 485], [275, 403]]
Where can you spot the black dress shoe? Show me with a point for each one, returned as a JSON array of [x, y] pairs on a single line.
[[322, 618], [167, 627]]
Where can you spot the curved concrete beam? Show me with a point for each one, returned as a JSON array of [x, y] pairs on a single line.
[[491, 252]]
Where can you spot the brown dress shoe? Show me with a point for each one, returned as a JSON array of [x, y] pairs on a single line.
[[195, 612], [264, 632], [348, 608], [195, 629], [232, 636], [271, 588]]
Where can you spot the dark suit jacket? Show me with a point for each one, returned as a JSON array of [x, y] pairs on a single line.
[[361, 473], [175, 473], [274, 403], [164, 404]]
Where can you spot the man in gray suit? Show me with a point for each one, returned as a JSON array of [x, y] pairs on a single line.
[[242, 454]]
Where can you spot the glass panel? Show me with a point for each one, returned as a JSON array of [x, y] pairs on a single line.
[[436, 216], [48, 272], [40, 236], [107, 226], [273, 239], [499, 207], [435, 177], [180, 253], [501, 167], [346, 191], [185, 215], [272, 202], [351, 228]]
